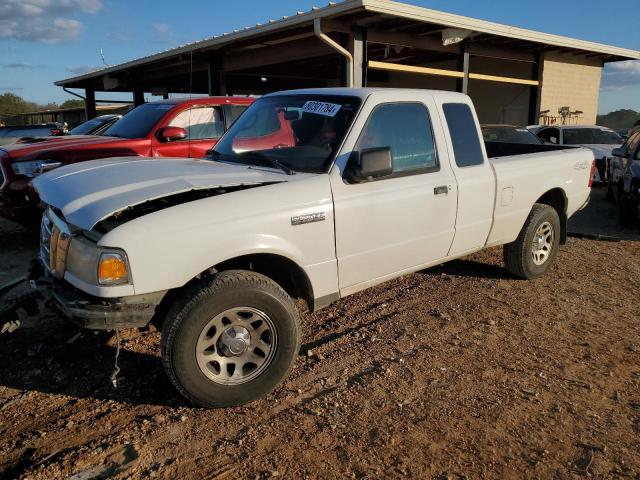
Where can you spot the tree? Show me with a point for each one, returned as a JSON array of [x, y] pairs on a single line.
[[72, 104], [12, 104], [619, 119]]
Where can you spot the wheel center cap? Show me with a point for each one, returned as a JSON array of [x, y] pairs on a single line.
[[234, 341]]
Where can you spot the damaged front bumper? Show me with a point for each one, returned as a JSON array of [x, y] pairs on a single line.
[[85, 310], [97, 313]]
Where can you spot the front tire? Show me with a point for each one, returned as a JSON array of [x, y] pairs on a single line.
[[230, 339], [536, 247]]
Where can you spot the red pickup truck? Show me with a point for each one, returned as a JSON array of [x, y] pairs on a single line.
[[168, 128]]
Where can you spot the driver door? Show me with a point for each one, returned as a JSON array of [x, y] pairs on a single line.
[[400, 222], [204, 126]]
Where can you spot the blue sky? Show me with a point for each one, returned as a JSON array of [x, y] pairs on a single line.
[[47, 40]]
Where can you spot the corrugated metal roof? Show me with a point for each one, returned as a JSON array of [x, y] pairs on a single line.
[[384, 7]]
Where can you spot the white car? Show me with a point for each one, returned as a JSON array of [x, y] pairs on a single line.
[[312, 194], [600, 140]]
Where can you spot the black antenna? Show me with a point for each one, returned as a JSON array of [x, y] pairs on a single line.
[[103, 60]]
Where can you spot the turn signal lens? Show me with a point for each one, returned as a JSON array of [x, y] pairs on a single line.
[[112, 269]]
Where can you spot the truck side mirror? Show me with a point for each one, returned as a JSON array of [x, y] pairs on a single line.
[[619, 152], [370, 164], [170, 134]]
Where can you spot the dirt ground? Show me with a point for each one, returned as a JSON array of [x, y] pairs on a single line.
[[458, 372]]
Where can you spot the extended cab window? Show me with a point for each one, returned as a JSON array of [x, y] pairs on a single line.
[[464, 134], [200, 122], [406, 129]]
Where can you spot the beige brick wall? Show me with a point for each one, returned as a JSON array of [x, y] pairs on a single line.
[[573, 81]]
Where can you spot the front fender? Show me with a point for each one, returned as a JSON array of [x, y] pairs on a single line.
[[168, 248]]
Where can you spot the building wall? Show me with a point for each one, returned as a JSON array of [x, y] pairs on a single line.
[[571, 81], [498, 102]]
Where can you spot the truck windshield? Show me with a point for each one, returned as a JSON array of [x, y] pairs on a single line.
[[593, 136], [138, 122], [298, 132]]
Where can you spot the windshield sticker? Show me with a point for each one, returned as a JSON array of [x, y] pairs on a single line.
[[321, 108]]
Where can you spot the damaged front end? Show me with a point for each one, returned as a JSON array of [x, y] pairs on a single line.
[[132, 212], [60, 262]]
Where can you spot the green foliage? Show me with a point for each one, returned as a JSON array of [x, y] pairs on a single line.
[[12, 104], [619, 119], [75, 103]]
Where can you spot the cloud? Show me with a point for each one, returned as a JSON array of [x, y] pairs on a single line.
[[119, 37], [162, 33], [80, 69], [619, 75], [22, 65], [44, 21]]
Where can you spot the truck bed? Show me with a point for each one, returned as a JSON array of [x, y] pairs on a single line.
[[528, 172]]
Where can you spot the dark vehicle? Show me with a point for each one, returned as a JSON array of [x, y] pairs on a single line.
[[12, 134], [95, 126], [624, 179], [509, 134]]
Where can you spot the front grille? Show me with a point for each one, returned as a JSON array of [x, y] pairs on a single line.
[[54, 243]]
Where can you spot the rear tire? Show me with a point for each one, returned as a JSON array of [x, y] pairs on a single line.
[[230, 339], [526, 259]]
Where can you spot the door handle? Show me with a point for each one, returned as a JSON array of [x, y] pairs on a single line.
[[441, 190]]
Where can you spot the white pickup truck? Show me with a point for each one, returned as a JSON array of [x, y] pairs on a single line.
[[312, 194]]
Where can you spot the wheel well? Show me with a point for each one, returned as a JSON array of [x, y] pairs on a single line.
[[556, 199], [281, 270], [285, 272]]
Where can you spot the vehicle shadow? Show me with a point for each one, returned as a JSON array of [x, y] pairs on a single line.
[[45, 361], [470, 268], [600, 220]]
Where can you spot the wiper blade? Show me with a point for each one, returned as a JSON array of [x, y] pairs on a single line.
[[281, 166], [276, 163]]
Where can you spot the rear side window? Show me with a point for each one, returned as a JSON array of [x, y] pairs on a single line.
[[232, 112], [406, 129], [201, 123], [464, 134]]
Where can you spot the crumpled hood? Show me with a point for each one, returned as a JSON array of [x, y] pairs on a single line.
[[89, 192], [600, 151]]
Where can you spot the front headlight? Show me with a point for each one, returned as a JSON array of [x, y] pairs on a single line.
[[95, 265], [34, 168]]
